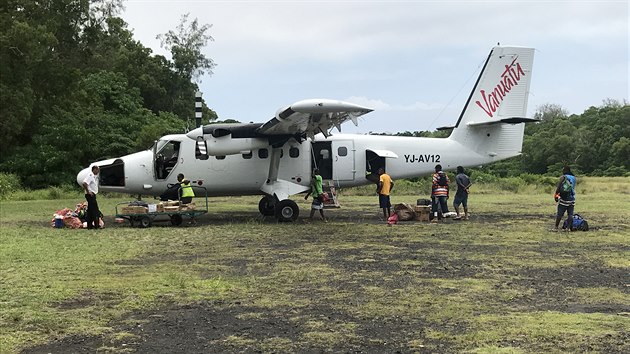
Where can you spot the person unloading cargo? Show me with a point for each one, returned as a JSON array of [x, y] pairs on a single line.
[[186, 190]]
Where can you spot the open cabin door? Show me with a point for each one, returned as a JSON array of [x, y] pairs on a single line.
[[374, 160], [321, 158]]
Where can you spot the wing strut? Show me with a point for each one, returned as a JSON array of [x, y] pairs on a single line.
[[279, 188]]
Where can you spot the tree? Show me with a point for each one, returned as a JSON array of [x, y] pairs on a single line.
[[185, 47], [550, 111]]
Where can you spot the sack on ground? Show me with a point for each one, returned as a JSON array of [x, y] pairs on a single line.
[[579, 224], [405, 212]]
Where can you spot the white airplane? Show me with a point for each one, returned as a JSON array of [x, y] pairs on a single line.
[[275, 159]]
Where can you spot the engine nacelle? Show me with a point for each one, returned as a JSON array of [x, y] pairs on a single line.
[[226, 145]]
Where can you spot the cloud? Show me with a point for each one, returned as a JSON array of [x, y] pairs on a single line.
[[380, 105]]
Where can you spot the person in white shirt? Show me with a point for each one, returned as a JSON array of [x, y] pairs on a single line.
[[90, 185]]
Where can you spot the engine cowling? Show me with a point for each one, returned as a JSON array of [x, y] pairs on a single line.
[[226, 145]]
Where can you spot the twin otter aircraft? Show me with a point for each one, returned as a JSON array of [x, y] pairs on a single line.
[[275, 159]]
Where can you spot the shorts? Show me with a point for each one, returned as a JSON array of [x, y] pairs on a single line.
[[317, 204], [461, 199], [383, 201], [563, 208]]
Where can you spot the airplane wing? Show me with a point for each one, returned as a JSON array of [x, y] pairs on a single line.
[[312, 117]]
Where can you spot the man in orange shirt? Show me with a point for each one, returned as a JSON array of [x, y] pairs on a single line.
[[385, 186]]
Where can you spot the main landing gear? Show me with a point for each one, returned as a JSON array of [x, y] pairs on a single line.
[[283, 210]]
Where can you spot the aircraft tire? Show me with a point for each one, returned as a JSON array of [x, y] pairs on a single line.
[[287, 210], [266, 207]]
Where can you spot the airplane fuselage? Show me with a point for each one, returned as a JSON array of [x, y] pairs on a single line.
[[345, 159], [276, 158]]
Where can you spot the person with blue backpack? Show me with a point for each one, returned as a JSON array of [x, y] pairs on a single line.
[[565, 197]]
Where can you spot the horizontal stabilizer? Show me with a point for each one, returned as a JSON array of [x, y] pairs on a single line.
[[512, 120]]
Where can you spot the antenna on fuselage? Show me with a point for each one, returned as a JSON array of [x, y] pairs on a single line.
[[198, 109]]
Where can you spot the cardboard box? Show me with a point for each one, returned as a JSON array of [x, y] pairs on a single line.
[[152, 208], [160, 208], [422, 208], [134, 209], [422, 212], [422, 217], [189, 206]]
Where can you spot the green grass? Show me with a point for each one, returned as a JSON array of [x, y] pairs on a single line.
[[496, 284]]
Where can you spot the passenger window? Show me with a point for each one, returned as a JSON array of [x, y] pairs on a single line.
[[294, 152], [263, 153], [342, 151], [247, 156]]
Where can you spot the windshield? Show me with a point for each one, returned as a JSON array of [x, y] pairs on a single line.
[[160, 144], [166, 158]]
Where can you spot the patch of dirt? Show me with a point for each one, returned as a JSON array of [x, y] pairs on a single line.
[[240, 326], [88, 298], [217, 327]]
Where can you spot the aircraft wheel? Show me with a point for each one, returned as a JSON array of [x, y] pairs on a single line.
[[266, 206], [176, 220], [144, 221], [287, 210]]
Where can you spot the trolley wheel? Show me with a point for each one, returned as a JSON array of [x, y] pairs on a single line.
[[144, 221], [176, 220]]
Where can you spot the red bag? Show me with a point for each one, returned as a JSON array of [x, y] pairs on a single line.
[[393, 219]]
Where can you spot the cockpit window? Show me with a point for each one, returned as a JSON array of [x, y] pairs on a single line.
[[166, 158]]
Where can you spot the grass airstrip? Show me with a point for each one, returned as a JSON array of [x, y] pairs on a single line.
[[498, 283]]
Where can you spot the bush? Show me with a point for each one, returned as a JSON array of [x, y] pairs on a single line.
[[482, 177], [9, 183], [538, 180], [50, 193], [512, 184]]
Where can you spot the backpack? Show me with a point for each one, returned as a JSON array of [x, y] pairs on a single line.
[[566, 188], [579, 224], [442, 180]]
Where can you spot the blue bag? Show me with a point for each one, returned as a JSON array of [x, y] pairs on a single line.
[[579, 224]]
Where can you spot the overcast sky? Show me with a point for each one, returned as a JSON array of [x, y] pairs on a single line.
[[413, 62]]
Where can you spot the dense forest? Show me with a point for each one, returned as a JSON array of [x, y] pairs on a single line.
[[594, 143], [76, 87]]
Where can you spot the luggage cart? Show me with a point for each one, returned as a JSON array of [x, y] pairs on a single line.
[[176, 217], [328, 187]]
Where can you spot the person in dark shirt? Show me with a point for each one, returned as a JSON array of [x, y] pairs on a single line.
[[565, 197], [461, 196]]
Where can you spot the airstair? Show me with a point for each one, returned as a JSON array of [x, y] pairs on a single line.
[[331, 201]]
